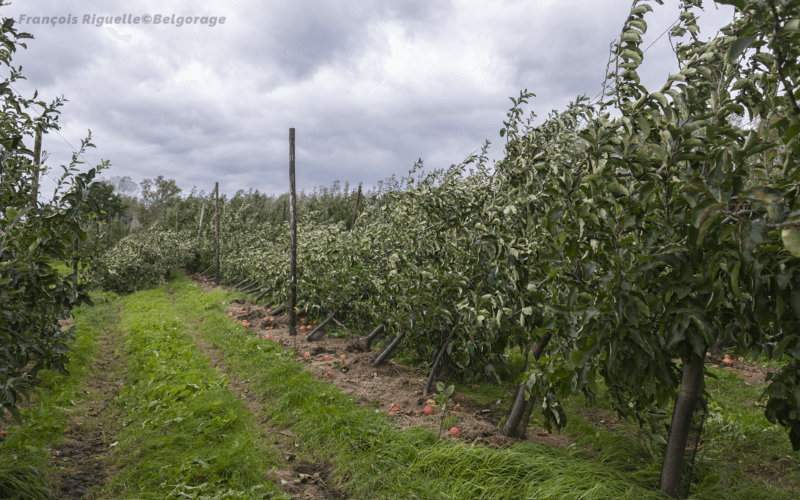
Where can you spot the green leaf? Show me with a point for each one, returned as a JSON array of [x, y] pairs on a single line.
[[661, 98], [778, 352], [739, 4], [791, 240], [738, 46], [794, 300], [791, 132]]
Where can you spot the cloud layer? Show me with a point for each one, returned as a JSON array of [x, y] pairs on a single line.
[[369, 86]]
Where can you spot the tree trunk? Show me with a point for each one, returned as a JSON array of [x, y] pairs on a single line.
[[432, 375], [262, 295], [691, 388], [313, 332], [372, 336], [511, 426], [277, 310], [385, 354]]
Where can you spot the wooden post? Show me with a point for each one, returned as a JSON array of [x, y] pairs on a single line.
[[108, 230], [216, 235], [293, 239], [355, 212], [37, 157], [200, 227], [75, 256], [284, 212]]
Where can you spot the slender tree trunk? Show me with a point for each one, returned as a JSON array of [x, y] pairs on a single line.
[[277, 310], [691, 388], [432, 375], [262, 294], [108, 230], [382, 357], [319, 327], [511, 426], [292, 240], [369, 338]]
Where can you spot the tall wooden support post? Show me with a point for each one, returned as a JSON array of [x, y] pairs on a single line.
[[284, 212], [75, 256], [200, 227], [216, 236], [108, 230], [355, 211], [37, 157], [292, 239]]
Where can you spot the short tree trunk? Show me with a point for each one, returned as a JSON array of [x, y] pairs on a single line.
[[515, 417], [689, 395]]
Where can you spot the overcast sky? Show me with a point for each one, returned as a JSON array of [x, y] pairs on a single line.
[[369, 86]]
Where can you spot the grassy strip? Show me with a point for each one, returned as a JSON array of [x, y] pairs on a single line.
[[185, 434], [382, 461], [25, 452]]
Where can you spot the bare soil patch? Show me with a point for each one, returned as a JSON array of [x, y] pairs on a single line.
[[346, 364]]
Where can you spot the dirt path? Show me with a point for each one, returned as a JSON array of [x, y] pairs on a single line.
[[90, 430]]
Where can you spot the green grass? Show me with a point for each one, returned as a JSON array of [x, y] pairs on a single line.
[[24, 454], [381, 460], [185, 434]]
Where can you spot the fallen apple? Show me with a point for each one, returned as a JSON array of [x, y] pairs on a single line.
[[306, 354], [327, 358], [428, 410], [342, 356], [728, 361], [455, 432], [430, 402], [456, 408]]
